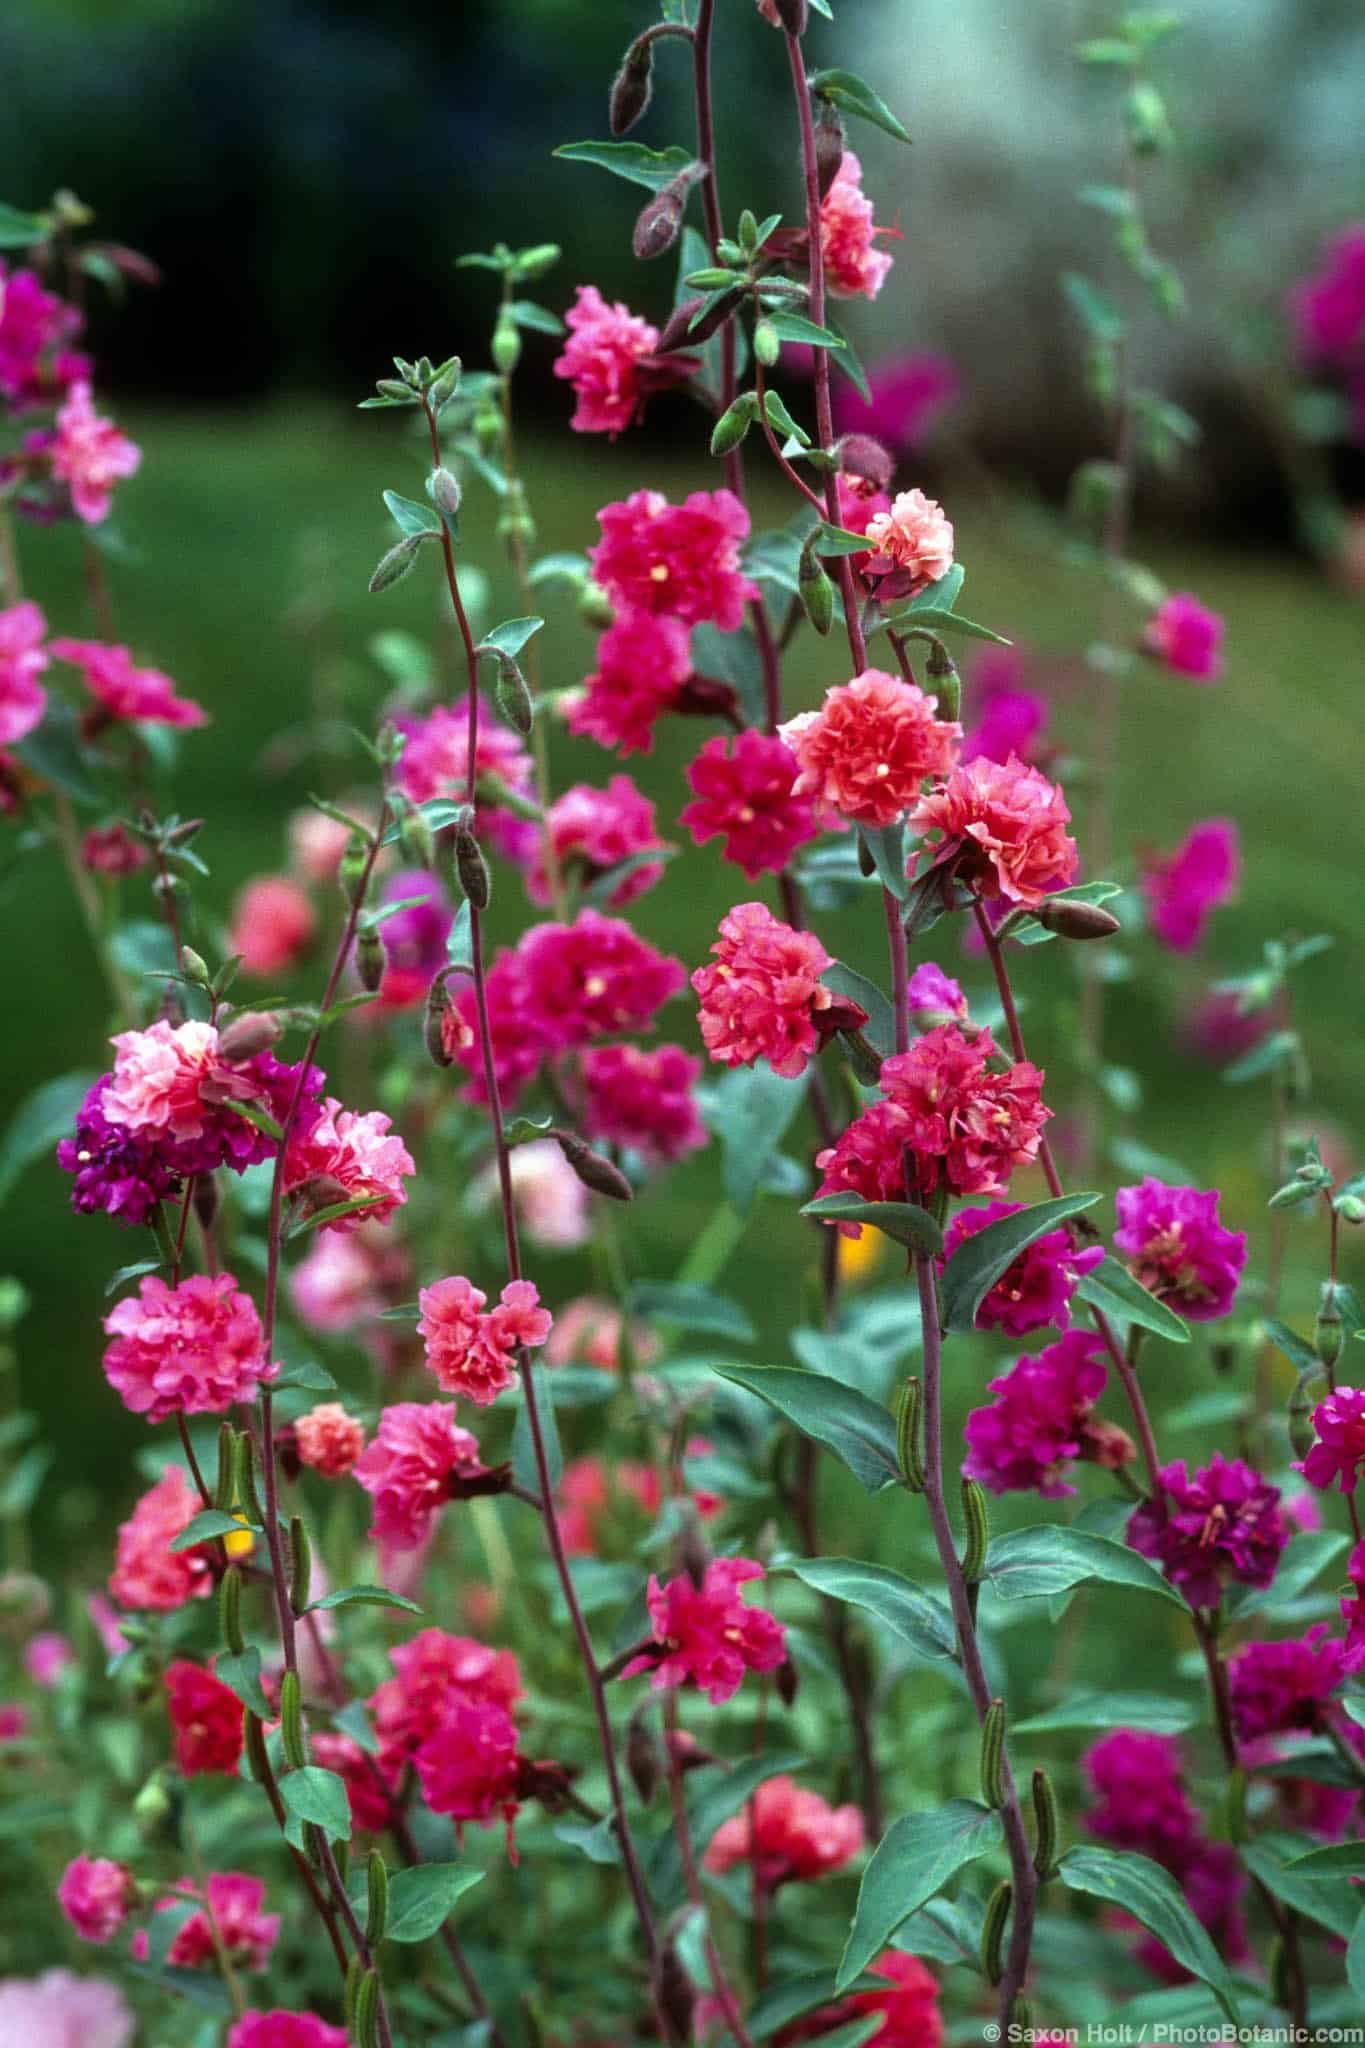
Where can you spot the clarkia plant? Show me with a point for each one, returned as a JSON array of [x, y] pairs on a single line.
[[478, 1662]]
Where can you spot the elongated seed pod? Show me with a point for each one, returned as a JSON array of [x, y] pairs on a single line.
[[230, 1610], [257, 1755], [377, 1893], [223, 1494], [978, 1531], [291, 1721], [1021, 2020], [244, 1466], [908, 1453], [300, 1564], [355, 1977], [993, 1931], [815, 591], [365, 2021], [369, 959], [993, 1755], [1045, 1826]]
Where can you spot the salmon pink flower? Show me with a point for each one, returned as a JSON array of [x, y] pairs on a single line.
[[193, 1349], [273, 922], [23, 699], [280, 2029], [788, 1834], [643, 660], [1281, 1686], [1337, 1456], [1187, 637], [1040, 1419], [317, 843], [602, 360], [1184, 888], [594, 830], [343, 1155], [1007, 824], [589, 1332], [123, 692], [854, 267], [472, 1352], [147, 1573], [96, 1896], [417, 1452], [1177, 1248], [329, 1440], [1036, 1288], [643, 1099], [1206, 1527], [679, 560], [764, 999], [745, 792], [551, 1201], [911, 546], [709, 1636], [865, 753], [90, 455], [206, 1720]]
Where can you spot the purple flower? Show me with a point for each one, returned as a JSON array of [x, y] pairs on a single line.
[[1328, 308], [123, 1172], [1184, 888], [1188, 637], [415, 939], [1011, 722], [1143, 1804], [908, 394], [1220, 1523], [1036, 1288], [934, 997], [1280, 1686], [1040, 1420], [1177, 1248], [1338, 1454]]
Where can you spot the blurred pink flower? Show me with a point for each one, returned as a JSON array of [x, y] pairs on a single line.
[[90, 455], [1184, 888], [273, 921]]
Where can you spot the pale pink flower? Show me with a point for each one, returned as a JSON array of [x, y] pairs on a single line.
[[601, 359], [911, 546], [854, 267], [23, 699], [336, 1285], [125, 692], [61, 2010], [347, 1155], [90, 455], [157, 1078], [865, 753], [46, 1656], [147, 1572], [272, 923], [193, 1349], [316, 844], [328, 1439], [552, 1202]]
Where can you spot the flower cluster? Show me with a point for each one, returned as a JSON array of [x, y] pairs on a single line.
[[147, 1572], [470, 1350], [643, 661], [1277, 1687], [854, 266], [1338, 1453], [124, 693], [591, 831], [642, 1098], [676, 561], [192, 1349], [1041, 1420], [744, 792], [206, 1720]]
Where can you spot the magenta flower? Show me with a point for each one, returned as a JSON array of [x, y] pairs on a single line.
[[601, 359], [234, 1901], [124, 692], [594, 830], [194, 1349], [592, 979], [34, 323], [521, 1037], [1143, 1804], [96, 1896], [1281, 1686], [643, 660], [1176, 1246], [280, 2029], [643, 1099], [744, 791], [435, 763], [1339, 1453], [1039, 1420], [1328, 308], [408, 1469], [23, 699], [1184, 888], [679, 560], [934, 997], [1011, 724], [468, 1766], [763, 998], [1036, 1288], [90, 455], [1187, 637], [1205, 1528], [709, 1636], [908, 394], [1353, 1609]]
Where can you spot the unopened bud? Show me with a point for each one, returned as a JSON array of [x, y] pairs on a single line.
[[257, 1755], [861, 456], [417, 839], [244, 1491], [643, 1760], [152, 1806], [1072, 920], [394, 566], [445, 490], [205, 1199], [193, 966], [488, 424], [829, 144], [445, 383], [1329, 1331], [940, 672], [249, 1032], [595, 607], [389, 387], [514, 697], [369, 958], [224, 1493], [1351, 1209], [365, 2020], [767, 343], [471, 870], [506, 350], [632, 87], [993, 1931], [433, 1022], [675, 1996], [659, 223], [352, 869], [734, 424], [816, 590], [592, 1169], [993, 1755]]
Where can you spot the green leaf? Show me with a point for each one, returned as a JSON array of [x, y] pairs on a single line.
[[905, 1221], [796, 327], [332, 1213], [1144, 1889], [353, 1719], [317, 1796], [794, 1999], [752, 1111], [206, 1525], [411, 518], [1333, 1904], [1355, 1959], [261, 1119], [1112, 1288], [1338, 1860], [915, 1617], [853, 95], [1095, 310], [880, 1028], [361, 1596], [54, 751], [525, 1470], [981, 1260], [1305, 1557], [1154, 1711], [127, 1273], [1033, 1564], [460, 943], [20, 230], [692, 1307], [512, 635], [240, 1671], [940, 621], [735, 659], [41, 1119], [859, 1431], [596, 1839], [21, 1487], [886, 846], [308, 1374], [537, 318], [421, 1900], [600, 891], [1279, 1047], [913, 1861], [779, 418], [714, 1800], [1301, 1355], [652, 168]]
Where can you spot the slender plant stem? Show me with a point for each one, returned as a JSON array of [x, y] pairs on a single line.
[[682, 1829]]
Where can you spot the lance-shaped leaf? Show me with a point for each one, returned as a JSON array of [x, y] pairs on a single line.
[[853, 95], [421, 1900], [1035, 1564], [981, 1260], [913, 1861], [859, 1431], [511, 636], [905, 1221], [1112, 1288], [652, 168], [1144, 1889], [411, 517], [916, 1617], [1153, 1711], [886, 846]]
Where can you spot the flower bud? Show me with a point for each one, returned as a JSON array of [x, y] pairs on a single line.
[[224, 1492], [352, 869], [767, 343], [417, 839], [193, 966], [249, 1032], [1329, 1332], [506, 350], [514, 697], [829, 144], [1072, 920], [595, 607], [152, 1806], [993, 1931], [488, 426], [787, 1679], [244, 1479], [815, 589], [643, 1760], [1045, 1830], [1351, 1209], [592, 1169], [993, 1755], [860, 455], [445, 383], [940, 672], [394, 566], [734, 424], [369, 958], [632, 87], [659, 223], [444, 487], [471, 870], [433, 1022], [365, 2020], [389, 387], [205, 1199], [257, 1755], [691, 1553]]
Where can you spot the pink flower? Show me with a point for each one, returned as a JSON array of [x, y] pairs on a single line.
[[33, 323], [1036, 1288], [435, 762], [853, 267], [90, 454], [279, 2029], [468, 1766], [1143, 1804], [551, 1201], [47, 1656], [1187, 637], [708, 1635], [408, 1468], [234, 1901], [744, 791], [329, 1440], [158, 1077], [521, 1037], [592, 830], [909, 2008], [593, 978], [1039, 1421], [60, 2010], [124, 692], [1184, 888], [908, 394], [1177, 1248], [272, 924], [911, 546], [23, 699], [1204, 1528], [680, 560], [430, 1669], [764, 998], [474, 1353], [589, 1332], [867, 750], [344, 1155], [601, 359], [934, 997], [147, 1573], [206, 1720], [1329, 308], [1279, 1686], [643, 1100], [316, 844], [643, 660], [1353, 1608], [1339, 1452], [1008, 824], [788, 1834], [963, 1125], [336, 1286], [96, 1896], [112, 850], [194, 1349]]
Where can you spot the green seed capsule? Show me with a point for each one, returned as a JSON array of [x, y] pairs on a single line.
[[257, 1756], [471, 870], [767, 343], [244, 1472], [223, 1492], [377, 1883], [908, 1435], [993, 1931], [1045, 1825], [230, 1610], [365, 2024], [816, 592], [978, 1531], [506, 345], [514, 697], [352, 869], [993, 1755], [300, 1564], [291, 1721]]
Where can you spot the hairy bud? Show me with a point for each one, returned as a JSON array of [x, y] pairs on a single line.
[[245, 1496], [592, 1169], [193, 966], [514, 697], [860, 455], [940, 672], [1072, 920], [365, 2020], [446, 494], [734, 424], [369, 958], [767, 343], [1329, 1331], [793, 15], [633, 86], [595, 608], [394, 566], [815, 589], [300, 1564], [471, 870], [249, 1032], [660, 221], [153, 1806], [829, 144]]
